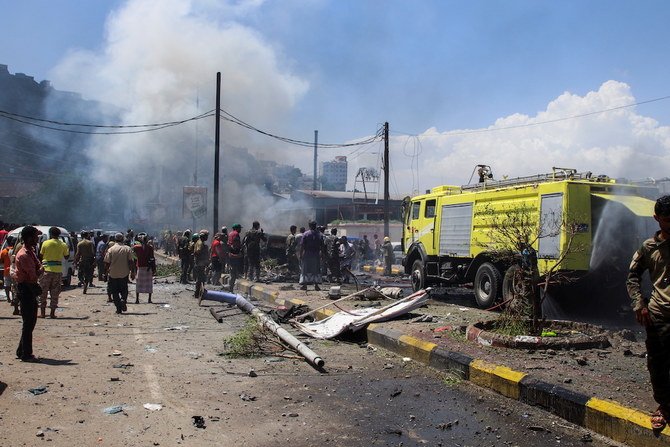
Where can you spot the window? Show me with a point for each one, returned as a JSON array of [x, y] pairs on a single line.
[[415, 210], [430, 208]]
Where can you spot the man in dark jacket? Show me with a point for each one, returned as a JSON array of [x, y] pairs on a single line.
[[235, 254], [184, 256], [252, 245]]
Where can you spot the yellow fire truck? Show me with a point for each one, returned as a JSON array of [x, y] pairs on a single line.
[[447, 232]]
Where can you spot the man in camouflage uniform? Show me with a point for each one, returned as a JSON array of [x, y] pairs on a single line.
[[654, 312], [291, 251]]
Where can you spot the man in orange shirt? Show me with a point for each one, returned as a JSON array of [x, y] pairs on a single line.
[[27, 269], [6, 260]]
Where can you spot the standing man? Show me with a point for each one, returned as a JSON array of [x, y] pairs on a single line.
[[84, 258], [653, 312], [119, 264], [291, 251], [252, 242], [310, 256], [146, 267], [52, 253], [333, 256], [27, 270], [184, 256], [201, 261], [387, 249], [235, 254], [215, 259]]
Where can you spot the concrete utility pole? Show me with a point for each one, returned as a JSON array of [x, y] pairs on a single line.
[[217, 131], [386, 179], [316, 143]]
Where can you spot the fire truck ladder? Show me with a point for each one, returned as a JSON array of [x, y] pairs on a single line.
[[557, 174]]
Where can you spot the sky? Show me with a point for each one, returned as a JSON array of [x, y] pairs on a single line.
[[520, 85]]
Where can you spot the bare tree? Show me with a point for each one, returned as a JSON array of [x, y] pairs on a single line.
[[512, 232]]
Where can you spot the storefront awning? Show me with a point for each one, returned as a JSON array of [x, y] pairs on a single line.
[[638, 205]]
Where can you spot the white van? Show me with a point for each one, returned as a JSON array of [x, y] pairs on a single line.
[[68, 264]]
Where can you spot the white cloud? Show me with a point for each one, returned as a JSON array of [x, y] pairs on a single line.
[[618, 143]]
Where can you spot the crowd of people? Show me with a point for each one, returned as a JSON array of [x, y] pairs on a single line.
[[310, 254], [33, 271]]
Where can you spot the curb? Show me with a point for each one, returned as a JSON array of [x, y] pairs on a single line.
[[605, 417], [380, 270]]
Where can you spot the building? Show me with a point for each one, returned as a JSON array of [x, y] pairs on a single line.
[[329, 206], [333, 174]]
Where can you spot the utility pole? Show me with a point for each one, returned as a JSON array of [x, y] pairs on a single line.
[[386, 179], [217, 131], [316, 143]]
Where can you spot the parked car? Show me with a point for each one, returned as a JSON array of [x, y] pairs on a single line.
[[68, 264]]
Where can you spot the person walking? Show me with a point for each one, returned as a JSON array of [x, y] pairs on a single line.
[[52, 252], [119, 264], [235, 255], [653, 312], [201, 258], [84, 258], [27, 269], [145, 267], [100, 249], [252, 244], [310, 256]]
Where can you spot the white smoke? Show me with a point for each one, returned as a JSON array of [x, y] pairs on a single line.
[[618, 143], [158, 63]]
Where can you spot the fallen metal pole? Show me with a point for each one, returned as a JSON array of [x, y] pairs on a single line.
[[267, 322]]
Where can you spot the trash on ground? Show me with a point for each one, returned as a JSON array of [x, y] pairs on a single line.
[[123, 365], [149, 348], [113, 410], [176, 328], [39, 390], [247, 398], [198, 421], [116, 353], [356, 319], [153, 407]]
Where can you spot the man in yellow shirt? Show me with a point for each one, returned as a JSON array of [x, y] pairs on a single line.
[[52, 253]]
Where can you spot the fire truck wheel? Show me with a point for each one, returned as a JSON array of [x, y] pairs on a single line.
[[488, 281], [418, 276]]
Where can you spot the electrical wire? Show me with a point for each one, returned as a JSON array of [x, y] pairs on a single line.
[[233, 119]]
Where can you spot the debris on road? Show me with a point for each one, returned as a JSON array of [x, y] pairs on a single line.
[[153, 407], [198, 421], [39, 390], [113, 410]]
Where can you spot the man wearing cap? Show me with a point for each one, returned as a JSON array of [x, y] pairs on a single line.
[[52, 253], [119, 262], [235, 254], [184, 256], [201, 261], [27, 269]]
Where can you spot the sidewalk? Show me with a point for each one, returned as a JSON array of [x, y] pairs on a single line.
[[607, 391]]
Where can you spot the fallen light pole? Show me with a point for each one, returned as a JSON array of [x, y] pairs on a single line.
[[267, 322]]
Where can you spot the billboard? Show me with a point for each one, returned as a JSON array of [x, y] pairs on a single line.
[[195, 202]]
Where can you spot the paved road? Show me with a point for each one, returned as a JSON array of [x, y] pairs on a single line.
[[171, 352]]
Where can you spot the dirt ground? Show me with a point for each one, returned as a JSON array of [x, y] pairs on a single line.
[[168, 353]]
